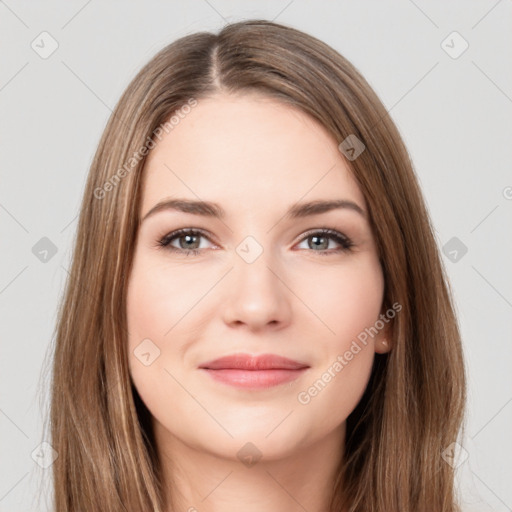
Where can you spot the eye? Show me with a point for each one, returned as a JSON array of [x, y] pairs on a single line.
[[320, 240], [188, 241]]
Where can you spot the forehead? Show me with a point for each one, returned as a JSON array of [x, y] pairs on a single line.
[[247, 152]]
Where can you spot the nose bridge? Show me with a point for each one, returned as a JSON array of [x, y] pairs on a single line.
[[256, 294], [253, 264]]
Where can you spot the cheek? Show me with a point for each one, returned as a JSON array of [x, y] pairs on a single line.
[[164, 313], [148, 312], [346, 299], [153, 307], [161, 299], [157, 305], [333, 392], [349, 304]]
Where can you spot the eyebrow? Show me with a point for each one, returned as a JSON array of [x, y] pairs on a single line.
[[214, 210]]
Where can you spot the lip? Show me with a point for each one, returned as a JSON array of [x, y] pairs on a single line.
[[247, 371], [250, 362]]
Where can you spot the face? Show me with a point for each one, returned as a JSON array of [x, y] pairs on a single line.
[[258, 279]]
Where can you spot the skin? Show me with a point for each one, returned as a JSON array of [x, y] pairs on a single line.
[[255, 157]]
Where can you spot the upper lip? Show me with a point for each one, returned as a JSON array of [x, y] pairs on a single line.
[[250, 362]]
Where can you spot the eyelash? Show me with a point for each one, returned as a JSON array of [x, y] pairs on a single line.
[[345, 242]]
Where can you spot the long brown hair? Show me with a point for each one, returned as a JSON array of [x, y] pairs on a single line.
[[413, 406]]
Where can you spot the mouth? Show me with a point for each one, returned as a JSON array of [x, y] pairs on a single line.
[[246, 371]]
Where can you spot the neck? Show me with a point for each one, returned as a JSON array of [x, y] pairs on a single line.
[[200, 481]]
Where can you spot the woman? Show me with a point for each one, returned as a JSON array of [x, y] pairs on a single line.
[[256, 314]]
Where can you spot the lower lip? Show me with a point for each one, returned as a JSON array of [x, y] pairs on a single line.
[[256, 379]]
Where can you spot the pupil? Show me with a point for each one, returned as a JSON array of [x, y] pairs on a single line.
[[189, 238], [320, 244], [316, 243]]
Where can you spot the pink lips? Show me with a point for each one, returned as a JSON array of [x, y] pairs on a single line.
[[246, 371]]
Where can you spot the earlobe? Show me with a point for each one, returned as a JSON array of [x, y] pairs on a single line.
[[382, 346], [383, 341]]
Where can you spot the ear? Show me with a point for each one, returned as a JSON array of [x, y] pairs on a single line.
[[384, 339]]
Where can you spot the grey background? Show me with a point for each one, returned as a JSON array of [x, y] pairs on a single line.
[[454, 114]]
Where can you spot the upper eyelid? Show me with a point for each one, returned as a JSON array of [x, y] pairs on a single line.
[[199, 231], [185, 231]]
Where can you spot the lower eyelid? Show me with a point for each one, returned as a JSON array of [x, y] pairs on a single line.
[[166, 240], [343, 241], [339, 238]]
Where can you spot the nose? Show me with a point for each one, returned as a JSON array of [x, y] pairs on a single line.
[[256, 294]]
